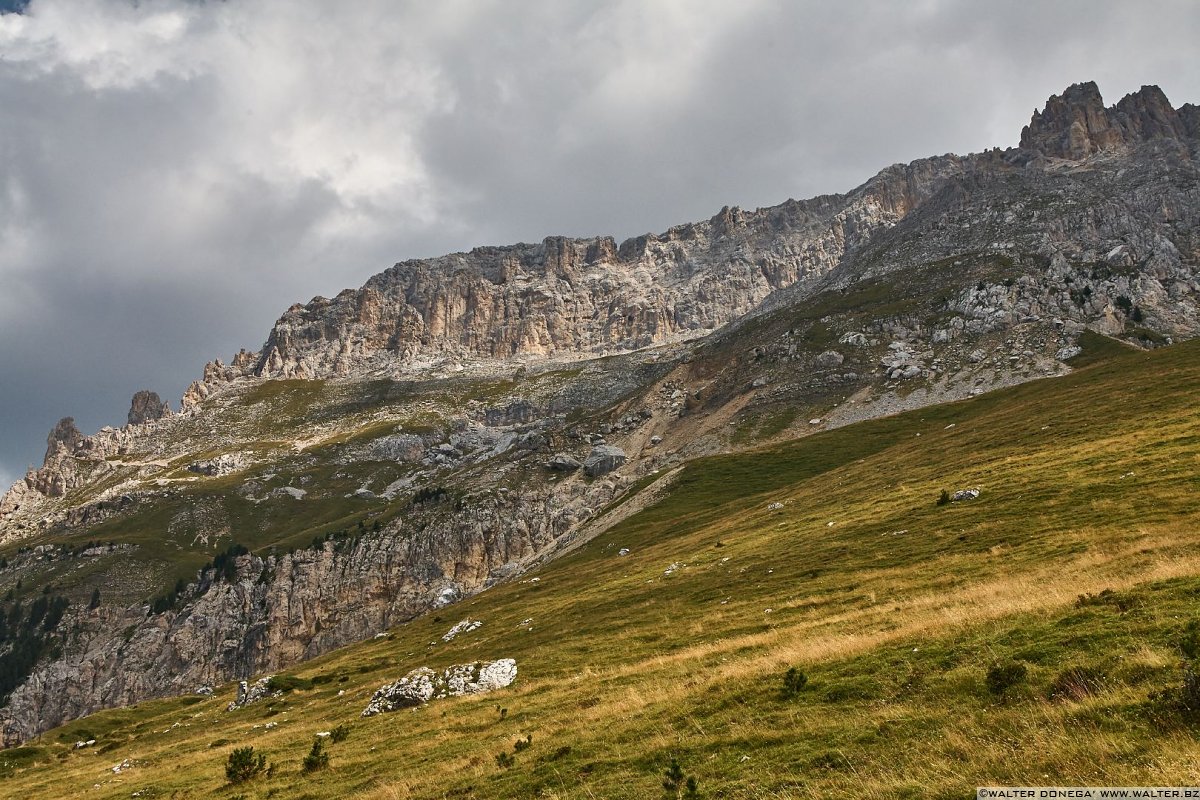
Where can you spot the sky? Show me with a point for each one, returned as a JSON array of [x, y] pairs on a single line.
[[174, 174]]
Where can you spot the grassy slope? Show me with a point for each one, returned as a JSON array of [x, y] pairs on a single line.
[[893, 606]]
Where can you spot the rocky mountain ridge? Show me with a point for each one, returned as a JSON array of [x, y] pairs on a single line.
[[457, 419], [586, 297]]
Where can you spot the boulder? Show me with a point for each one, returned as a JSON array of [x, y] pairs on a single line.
[[563, 462], [604, 459], [830, 358]]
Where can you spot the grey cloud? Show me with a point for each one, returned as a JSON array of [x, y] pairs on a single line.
[[173, 175]]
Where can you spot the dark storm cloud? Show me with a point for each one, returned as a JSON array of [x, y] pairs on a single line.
[[173, 175]]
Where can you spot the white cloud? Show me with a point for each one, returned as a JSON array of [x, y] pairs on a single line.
[[173, 174]]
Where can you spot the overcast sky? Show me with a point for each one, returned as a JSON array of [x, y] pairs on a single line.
[[173, 174]]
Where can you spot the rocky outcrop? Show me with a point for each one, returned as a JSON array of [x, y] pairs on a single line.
[[224, 464], [249, 693], [58, 473], [64, 438], [216, 376], [423, 684], [147, 406], [1076, 124]]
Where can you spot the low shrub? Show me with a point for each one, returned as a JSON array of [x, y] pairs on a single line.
[[676, 783], [830, 760], [1002, 677], [794, 681], [244, 764], [1121, 601], [1183, 699], [1189, 642], [1075, 683], [288, 683]]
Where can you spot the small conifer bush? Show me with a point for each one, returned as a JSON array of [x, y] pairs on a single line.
[[244, 764], [794, 682], [317, 758]]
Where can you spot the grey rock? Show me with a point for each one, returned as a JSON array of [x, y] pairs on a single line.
[[830, 358], [466, 626], [854, 339], [604, 459], [403, 447], [224, 464], [563, 462]]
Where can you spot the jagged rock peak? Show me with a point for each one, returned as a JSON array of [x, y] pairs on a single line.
[[216, 375], [63, 436], [1076, 124], [147, 406]]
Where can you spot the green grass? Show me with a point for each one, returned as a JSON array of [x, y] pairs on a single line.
[[895, 609]]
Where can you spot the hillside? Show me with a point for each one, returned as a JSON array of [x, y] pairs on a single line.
[[457, 422], [1077, 561]]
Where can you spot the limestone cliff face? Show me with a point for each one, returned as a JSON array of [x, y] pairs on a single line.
[[587, 296], [280, 610]]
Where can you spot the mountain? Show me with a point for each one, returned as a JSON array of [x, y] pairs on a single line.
[[1031, 635], [460, 421]]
